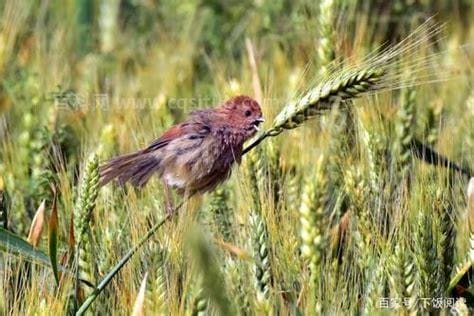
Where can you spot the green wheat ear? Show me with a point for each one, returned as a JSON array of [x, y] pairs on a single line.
[[88, 192], [326, 23], [374, 149], [433, 125], [446, 224], [157, 283], [255, 163], [274, 174], [379, 71], [375, 287], [200, 303], [425, 253], [222, 213], [314, 221], [293, 187], [237, 271], [262, 269], [324, 96], [402, 274], [405, 130]]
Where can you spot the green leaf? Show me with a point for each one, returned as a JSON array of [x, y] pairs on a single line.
[[14, 244], [462, 270]]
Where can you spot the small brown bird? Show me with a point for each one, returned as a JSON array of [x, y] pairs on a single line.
[[193, 156]]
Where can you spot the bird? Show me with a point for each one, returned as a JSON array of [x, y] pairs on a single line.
[[194, 156]]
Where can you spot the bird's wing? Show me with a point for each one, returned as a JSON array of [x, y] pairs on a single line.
[[172, 133], [196, 127]]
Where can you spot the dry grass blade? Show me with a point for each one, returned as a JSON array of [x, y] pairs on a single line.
[[234, 250], [139, 306], [37, 225], [257, 87]]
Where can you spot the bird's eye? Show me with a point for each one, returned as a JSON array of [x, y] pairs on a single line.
[[248, 113]]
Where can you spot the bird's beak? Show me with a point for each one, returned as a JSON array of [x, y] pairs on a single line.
[[257, 122]]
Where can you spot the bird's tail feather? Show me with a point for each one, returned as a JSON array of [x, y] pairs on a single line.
[[137, 168]]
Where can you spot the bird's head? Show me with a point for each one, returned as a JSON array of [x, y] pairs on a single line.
[[244, 113]]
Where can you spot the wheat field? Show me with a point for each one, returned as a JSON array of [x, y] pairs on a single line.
[[355, 198]]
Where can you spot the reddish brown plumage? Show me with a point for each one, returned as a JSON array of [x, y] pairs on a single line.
[[195, 155]]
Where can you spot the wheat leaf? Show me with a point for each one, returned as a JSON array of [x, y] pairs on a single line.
[[14, 244]]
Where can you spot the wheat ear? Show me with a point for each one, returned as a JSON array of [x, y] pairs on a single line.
[[262, 269], [321, 98], [325, 51], [88, 193], [380, 70]]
